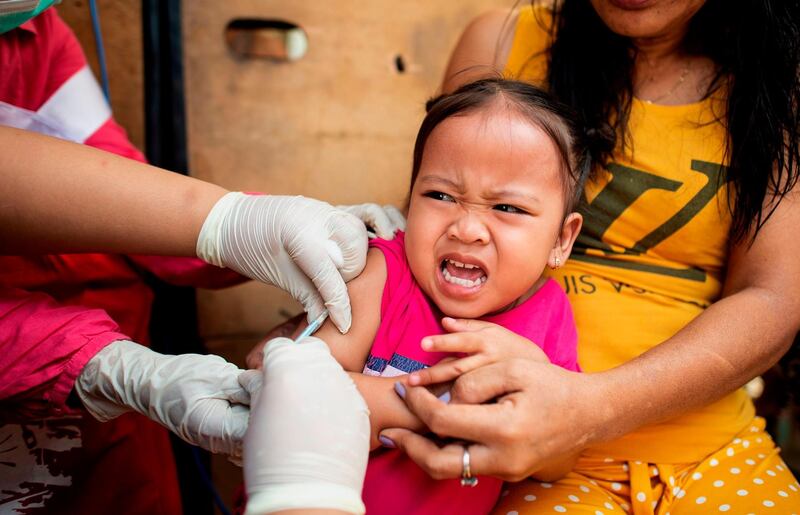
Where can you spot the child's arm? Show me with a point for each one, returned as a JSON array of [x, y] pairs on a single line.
[[351, 349]]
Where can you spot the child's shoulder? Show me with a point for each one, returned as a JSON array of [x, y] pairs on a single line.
[[393, 250], [369, 283]]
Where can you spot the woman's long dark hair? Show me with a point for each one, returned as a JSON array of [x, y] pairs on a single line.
[[756, 46]]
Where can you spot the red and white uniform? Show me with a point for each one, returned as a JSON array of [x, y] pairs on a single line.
[[57, 311]]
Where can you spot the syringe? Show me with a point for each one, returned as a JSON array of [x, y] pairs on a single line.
[[312, 327]]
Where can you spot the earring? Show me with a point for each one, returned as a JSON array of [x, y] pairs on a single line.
[[557, 263]]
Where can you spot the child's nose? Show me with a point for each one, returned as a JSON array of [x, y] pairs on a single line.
[[469, 228]]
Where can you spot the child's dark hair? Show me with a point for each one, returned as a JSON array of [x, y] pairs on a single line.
[[557, 120]]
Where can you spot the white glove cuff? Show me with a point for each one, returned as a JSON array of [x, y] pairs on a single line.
[[298, 496], [92, 384], [208, 243]]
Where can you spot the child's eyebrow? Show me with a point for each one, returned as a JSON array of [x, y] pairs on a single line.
[[511, 195], [436, 179]]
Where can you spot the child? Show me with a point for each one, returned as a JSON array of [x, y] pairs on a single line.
[[496, 173]]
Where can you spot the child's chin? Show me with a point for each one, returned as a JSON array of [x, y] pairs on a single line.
[[459, 310]]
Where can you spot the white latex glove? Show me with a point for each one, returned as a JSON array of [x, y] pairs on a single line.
[[308, 440], [301, 245], [197, 397], [383, 221]]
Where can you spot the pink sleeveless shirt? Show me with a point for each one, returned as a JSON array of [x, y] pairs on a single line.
[[394, 484]]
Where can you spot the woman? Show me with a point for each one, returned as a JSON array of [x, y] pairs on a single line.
[[682, 280]]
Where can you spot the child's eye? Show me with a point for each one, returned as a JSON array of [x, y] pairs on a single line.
[[438, 195], [507, 208]]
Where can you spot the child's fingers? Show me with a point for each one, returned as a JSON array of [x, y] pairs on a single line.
[[467, 343], [457, 325]]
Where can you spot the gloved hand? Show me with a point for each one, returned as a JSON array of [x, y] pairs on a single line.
[[197, 397], [382, 222], [308, 440], [301, 245]]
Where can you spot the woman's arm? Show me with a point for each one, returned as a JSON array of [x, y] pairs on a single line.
[[482, 50], [60, 196]]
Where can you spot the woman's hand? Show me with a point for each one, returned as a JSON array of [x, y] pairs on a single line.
[[198, 397], [301, 245], [483, 342], [381, 221], [307, 444], [541, 413]]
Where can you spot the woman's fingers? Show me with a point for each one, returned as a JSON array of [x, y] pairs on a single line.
[[485, 384], [469, 422], [446, 461], [439, 463], [445, 372]]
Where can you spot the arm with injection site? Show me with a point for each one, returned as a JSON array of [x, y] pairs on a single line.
[[351, 350]]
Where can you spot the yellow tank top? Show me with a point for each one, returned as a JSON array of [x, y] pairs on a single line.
[[651, 254]]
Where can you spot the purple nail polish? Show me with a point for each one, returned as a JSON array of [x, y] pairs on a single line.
[[445, 397], [400, 389], [387, 442]]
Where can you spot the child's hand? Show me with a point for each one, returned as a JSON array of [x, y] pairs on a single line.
[[255, 358], [484, 342]]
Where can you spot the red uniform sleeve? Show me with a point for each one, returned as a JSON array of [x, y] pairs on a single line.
[[43, 348], [68, 58], [188, 272]]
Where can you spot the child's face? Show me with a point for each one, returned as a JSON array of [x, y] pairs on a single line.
[[486, 213]]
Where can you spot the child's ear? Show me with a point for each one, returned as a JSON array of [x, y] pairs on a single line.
[[566, 238]]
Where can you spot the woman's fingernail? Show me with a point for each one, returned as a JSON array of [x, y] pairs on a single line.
[[445, 397], [426, 344], [413, 379], [448, 319], [400, 389], [387, 442]]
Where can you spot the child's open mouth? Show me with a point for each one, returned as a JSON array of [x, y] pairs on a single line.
[[462, 274]]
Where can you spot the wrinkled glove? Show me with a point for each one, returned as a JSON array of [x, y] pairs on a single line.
[[382, 222], [301, 245], [308, 440], [197, 397]]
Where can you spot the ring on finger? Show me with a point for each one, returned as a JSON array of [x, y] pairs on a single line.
[[467, 479]]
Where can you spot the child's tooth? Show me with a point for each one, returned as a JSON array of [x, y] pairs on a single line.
[[462, 282]]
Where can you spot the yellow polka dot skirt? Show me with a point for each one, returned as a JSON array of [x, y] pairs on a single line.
[[746, 476]]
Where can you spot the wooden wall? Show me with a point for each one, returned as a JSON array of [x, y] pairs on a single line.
[[337, 124]]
